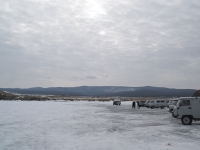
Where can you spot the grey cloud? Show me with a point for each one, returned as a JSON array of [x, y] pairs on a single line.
[[76, 78], [128, 43]]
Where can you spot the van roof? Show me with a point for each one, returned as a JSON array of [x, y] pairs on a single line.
[[159, 100], [174, 99], [189, 98]]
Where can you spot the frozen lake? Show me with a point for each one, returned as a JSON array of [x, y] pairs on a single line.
[[82, 125]]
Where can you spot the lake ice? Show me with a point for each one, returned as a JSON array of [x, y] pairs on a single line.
[[83, 125]]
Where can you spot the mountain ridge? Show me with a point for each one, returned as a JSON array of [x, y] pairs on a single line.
[[144, 91]]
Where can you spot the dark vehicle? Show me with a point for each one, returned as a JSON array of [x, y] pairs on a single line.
[[117, 102]]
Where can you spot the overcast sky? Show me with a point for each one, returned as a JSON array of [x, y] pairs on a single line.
[[68, 43]]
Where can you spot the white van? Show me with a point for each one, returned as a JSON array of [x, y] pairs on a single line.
[[187, 109], [172, 103], [146, 103], [157, 104]]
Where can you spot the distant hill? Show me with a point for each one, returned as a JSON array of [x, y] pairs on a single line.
[[9, 96], [145, 91], [42, 91], [4, 95], [197, 93]]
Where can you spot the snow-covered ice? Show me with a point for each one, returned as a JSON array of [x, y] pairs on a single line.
[[83, 125]]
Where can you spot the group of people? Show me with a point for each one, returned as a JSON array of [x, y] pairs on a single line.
[[134, 104]]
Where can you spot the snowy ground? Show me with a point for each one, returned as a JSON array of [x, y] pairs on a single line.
[[91, 126]]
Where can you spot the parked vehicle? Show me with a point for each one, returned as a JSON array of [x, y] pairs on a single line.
[[171, 104], [146, 103], [187, 109], [142, 103], [157, 104], [117, 102]]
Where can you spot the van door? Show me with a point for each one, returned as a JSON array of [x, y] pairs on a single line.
[[157, 104], [162, 103], [196, 108], [185, 108]]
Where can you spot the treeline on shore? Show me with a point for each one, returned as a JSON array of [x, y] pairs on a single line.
[[9, 96]]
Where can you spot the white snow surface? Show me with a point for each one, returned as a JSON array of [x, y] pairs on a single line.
[[83, 125]]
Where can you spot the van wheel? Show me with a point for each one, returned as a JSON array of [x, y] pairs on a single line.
[[162, 107], [186, 120], [152, 107]]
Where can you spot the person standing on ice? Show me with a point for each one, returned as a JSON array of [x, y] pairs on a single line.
[[133, 104], [138, 104]]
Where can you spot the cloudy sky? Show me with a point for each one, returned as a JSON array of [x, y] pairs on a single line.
[[69, 43]]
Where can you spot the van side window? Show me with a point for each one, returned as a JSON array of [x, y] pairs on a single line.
[[152, 101], [158, 101], [185, 102], [162, 101]]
